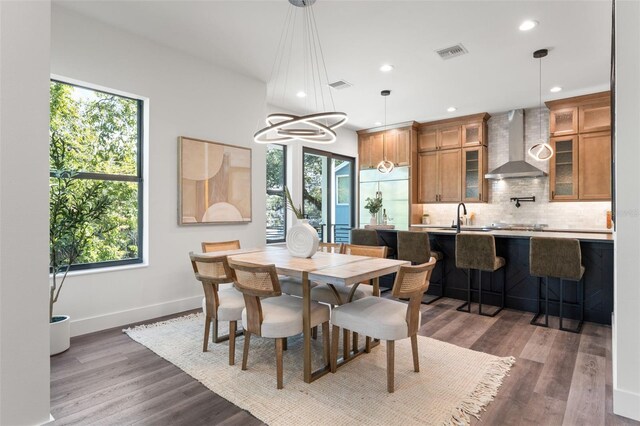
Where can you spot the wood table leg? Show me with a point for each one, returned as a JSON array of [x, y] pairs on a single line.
[[376, 286], [306, 325]]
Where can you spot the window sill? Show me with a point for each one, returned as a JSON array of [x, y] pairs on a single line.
[[106, 269]]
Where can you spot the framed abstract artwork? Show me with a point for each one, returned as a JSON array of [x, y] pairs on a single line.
[[214, 183]]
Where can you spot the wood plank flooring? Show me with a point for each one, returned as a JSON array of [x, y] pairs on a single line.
[[559, 378]]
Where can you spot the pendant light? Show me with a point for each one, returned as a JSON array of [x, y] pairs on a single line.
[[316, 127], [385, 166], [541, 151]]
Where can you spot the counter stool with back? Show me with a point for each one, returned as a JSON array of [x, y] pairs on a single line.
[[478, 251], [557, 258], [416, 248]]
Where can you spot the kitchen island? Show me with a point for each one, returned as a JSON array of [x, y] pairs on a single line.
[[521, 288]]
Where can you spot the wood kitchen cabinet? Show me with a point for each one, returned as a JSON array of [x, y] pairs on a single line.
[[439, 176], [394, 144], [563, 168], [473, 134], [475, 188], [428, 139], [450, 137], [453, 133], [580, 168], [594, 165]]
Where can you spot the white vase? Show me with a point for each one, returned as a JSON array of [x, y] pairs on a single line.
[[302, 239], [59, 335], [374, 220]]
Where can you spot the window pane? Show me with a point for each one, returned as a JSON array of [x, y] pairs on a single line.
[[276, 203], [92, 131], [113, 235]]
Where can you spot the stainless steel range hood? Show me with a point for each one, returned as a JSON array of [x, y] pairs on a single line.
[[516, 167]]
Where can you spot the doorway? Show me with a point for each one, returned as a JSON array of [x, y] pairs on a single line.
[[328, 193]]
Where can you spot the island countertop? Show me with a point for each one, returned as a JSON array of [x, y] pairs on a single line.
[[504, 233]]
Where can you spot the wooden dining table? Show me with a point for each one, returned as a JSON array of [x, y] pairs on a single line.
[[331, 268]]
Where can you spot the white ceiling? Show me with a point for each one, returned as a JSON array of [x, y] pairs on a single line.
[[496, 75]]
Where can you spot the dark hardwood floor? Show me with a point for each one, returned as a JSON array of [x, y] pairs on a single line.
[[559, 377]]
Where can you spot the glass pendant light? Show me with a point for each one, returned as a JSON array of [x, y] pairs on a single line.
[[541, 151], [385, 166]]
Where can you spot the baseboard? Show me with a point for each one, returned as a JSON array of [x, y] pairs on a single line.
[[115, 319], [626, 404], [49, 422]]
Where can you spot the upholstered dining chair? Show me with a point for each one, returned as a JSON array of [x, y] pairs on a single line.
[[219, 304], [293, 285], [269, 313], [338, 295], [386, 319]]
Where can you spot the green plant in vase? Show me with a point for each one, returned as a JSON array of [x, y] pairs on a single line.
[[373, 205]]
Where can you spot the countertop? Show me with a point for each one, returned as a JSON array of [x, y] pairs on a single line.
[[545, 229], [583, 236]]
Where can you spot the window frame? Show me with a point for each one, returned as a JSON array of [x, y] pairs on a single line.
[[280, 192], [137, 178]]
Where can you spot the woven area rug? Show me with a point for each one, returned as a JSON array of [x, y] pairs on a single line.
[[453, 382]]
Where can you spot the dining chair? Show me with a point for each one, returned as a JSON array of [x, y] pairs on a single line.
[[293, 285], [386, 319], [269, 313], [209, 246], [219, 304], [338, 295]]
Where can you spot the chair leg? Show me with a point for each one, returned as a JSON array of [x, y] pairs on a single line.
[[390, 364], [284, 344], [355, 341], [214, 339], [468, 302], [345, 344], [245, 349], [335, 340], [414, 349], [434, 298], [279, 362], [207, 327], [314, 333], [326, 343], [580, 296], [232, 342], [534, 320], [367, 344]]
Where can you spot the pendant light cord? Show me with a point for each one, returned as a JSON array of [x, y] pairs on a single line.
[[540, 105]]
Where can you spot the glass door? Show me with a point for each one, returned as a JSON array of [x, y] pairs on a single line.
[[328, 194]]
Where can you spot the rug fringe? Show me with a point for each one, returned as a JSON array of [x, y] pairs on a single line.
[[161, 323], [483, 394]]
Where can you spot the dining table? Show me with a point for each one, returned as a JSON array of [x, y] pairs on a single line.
[[331, 268]]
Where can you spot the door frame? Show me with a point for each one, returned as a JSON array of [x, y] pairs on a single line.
[[331, 156]]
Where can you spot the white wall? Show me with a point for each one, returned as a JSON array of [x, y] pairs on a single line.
[[626, 325], [24, 187], [189, 97]]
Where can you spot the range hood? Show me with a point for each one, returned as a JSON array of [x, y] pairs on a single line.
[[516, 167]]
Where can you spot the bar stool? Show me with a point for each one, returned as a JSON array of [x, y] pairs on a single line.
[[364, 237], [416, 248], [557, 258], [478, 251]]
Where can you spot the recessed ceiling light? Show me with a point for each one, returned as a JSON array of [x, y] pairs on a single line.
[[555, 89], [528, 25], [451, 109], [386, 68], [377, 123], [301, 94]]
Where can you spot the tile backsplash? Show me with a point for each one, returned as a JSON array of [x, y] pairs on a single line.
[[582, 215]]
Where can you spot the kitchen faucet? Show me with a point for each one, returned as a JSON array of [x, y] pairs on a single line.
[[458, 221]]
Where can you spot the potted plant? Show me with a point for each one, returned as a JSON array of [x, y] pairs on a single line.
[[76, 208], [373, 205], [302, 238]]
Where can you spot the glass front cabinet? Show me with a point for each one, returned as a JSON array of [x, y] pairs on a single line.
[[563, 168], [474, 167]]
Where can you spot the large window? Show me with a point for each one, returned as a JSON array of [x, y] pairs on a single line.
[[276, 200], [95, 162]]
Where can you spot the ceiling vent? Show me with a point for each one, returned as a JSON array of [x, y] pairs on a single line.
[[340, 84], [452, 51]]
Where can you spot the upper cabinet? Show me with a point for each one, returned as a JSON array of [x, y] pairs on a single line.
[[580, 168], [393, 144], [453, 160], [453, 133]]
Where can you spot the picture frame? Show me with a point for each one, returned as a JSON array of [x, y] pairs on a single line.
[[214, 183]]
